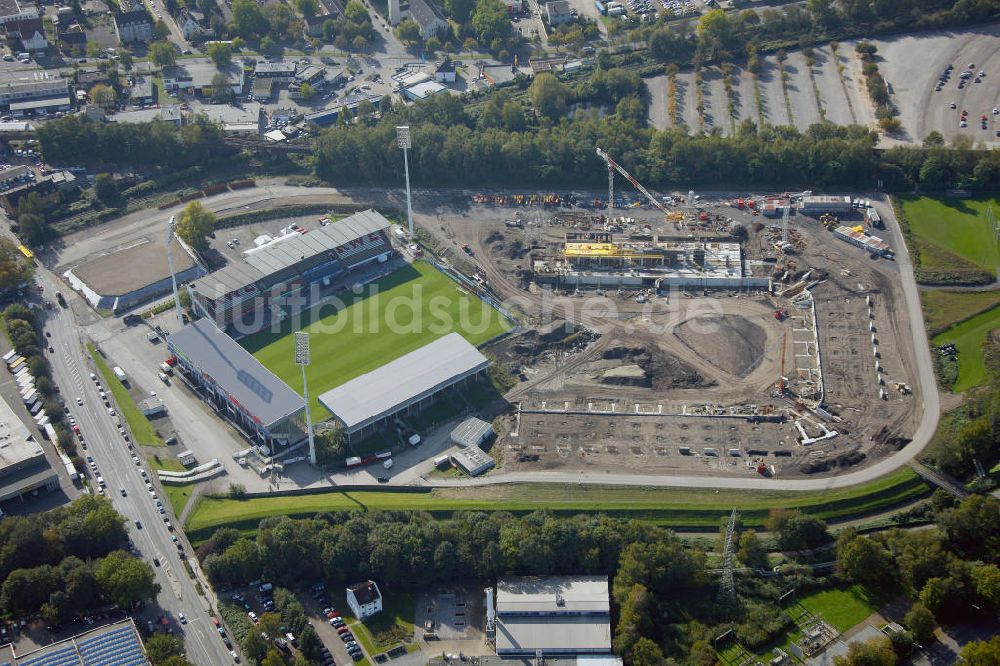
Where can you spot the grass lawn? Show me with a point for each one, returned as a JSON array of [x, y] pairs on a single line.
[[675, 507], [841, 608], [943, 309], [389, 628], [952, 226], [177, 494], [142, 430], [968, 337], [392, 317]]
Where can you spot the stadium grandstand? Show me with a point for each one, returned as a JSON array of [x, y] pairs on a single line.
[[287, 266]]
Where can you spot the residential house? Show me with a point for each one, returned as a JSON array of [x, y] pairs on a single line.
[[133, 26], [44, 187], [72, 38], [364, 599], [558, 12], [30, 32], [329, 10], [445, 71], [13, 10], [428, 17], [188, 25], [141, 93]]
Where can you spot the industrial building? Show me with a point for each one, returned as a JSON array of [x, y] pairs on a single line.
[[473, 460], [604, 261], [24, 469], [121, 280], [551, 616], [194, 77], [287, 265], [472, 432], [115, 644], [824, 203], [408, 384], [350, 102], [237, 386]]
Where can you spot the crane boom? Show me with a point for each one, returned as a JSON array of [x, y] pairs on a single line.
[[617, 167]]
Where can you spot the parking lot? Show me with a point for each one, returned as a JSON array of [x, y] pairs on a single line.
[[828, 84]]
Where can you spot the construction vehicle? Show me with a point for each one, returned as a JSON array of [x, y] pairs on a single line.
[[829, 221], [780, 315], [614, 166]]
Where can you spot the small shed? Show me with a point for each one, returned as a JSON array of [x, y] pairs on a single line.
[[472, 432], [473, 461], [186, 458]]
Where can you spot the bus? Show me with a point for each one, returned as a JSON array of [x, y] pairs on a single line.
[[28, 254]]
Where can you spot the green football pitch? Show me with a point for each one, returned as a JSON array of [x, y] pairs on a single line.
[[360, 332]]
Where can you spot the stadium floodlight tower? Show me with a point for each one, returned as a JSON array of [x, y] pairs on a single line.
[[404, 141], [302, 360], [170, 264]]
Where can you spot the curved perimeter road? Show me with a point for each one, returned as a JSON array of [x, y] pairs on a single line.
[[140, 223]]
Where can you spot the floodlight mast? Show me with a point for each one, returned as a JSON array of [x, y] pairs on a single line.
[[170, 264], [302, 360], [405, 141]]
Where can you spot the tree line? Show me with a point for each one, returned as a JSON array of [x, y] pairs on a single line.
[[63, 563]]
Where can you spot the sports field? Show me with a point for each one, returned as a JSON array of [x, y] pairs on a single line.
[[363, 331], [694, 509], [969, 337], [944, 227]]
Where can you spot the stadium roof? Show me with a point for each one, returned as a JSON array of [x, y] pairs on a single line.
[[553, 594], [289, 250], [236, 371], [261, 262], [117, 644], [403, 382]]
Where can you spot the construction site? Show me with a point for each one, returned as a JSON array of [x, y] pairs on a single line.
[[696, 333]]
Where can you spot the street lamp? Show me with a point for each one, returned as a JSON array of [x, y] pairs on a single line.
[[404, 141], [302, 360]]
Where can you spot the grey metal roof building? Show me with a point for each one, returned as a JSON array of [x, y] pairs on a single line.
[[558, 615], [213, 359], [472, 432], [369, 401]]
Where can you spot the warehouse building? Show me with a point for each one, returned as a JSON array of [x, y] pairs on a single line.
[[412, 382], [551, 616], [823, 203], [24, 469], [288, 265], [237, 386]]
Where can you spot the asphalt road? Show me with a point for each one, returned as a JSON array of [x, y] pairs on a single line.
[[71, 369]]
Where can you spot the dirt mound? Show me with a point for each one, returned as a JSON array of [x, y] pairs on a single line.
[[524, 351], [731, 343], [647, 368]]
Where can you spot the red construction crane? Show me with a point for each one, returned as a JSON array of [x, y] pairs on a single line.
[[614, 166]]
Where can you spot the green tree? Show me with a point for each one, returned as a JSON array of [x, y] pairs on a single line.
[[248, 19], [865, 560], [548, 95], [331, 446], [273, 658], [307, 8], [222, 90], [985, 577], [161, 647], [460, 10], [160, 30], [14, 268], [254, 647], [195, 224], [162, 54], [646, 653], [220, 53], [307, 92], [105, 189], [491, 23], [874, 652], [103, 96], [981, 653], [408, 32], [920, 622], [973, 527], [125, 579], [751, 553], [796, 530]]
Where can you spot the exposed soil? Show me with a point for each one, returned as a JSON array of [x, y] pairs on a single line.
[[731, 343], [530, 348], [637, 366]]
